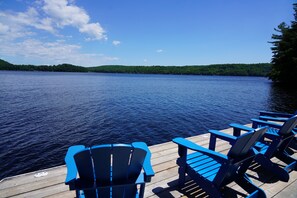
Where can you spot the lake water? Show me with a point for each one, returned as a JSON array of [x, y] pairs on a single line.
[[42, 113]]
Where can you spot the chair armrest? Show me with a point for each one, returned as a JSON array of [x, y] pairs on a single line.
[[222, 136], [148, 170], [70, 163], [237, 128], [147, 167], [275, 114], [214, 134], [257, 122], [276, 119], [192, 146]]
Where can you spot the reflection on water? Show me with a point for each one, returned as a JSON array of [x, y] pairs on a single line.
[[282, 99]]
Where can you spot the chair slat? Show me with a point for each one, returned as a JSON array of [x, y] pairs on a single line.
[[198, 157], [288, 126], [89, 193], [237, 149], [84, 165], [201, 162], [118, 192], [211, 163], [130, 191], [210, 173], [120, 163], [258, 133], [85, 169], [136, 162], [104, 192], [245, 142], [102, 163]]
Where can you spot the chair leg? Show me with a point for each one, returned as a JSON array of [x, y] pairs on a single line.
[[181, 162], [77, 193], [249, 187], [279, 172], [141, 190], [182, 176]]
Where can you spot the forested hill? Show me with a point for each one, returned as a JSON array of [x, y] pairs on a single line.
[[55, 68], [261, 69]]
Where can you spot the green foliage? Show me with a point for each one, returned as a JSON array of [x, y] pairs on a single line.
[[284, 60], [261, 69], [55, 68], [69, 68], [4, 63]]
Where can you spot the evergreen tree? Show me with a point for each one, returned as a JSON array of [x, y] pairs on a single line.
[[284, 60]]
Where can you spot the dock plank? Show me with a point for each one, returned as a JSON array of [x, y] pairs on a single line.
[[29, 177], [33, 186], [47, 191], [288, 191]]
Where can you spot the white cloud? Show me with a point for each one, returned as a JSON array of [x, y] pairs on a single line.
[[13, 31], [116, 43], [20, 23], [3, 28], [159, 51], [50, 16], [65, 13], [46, 24], [54, 53], [19, 35]]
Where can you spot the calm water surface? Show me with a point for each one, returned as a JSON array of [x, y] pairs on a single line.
[[42, 113]]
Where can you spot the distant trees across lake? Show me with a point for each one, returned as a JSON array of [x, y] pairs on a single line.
[[260, 69], [55, 68]]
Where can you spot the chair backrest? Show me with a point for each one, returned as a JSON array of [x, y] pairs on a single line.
[[245, 142], [108, 165], [288, 126], [240, 156]]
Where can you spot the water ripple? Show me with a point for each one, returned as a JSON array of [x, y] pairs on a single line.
[[42, 114]]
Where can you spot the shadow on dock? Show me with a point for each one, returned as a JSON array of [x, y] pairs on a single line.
[[191, 189]]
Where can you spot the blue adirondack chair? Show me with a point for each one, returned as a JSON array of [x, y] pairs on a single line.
[[212, 170], [278, 138], [111, 170], [275, 116], [280, 118]]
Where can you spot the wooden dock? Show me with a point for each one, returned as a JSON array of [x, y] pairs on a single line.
[[163, 184]]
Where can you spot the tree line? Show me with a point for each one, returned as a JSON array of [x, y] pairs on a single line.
[[4, 65], [260, 69]]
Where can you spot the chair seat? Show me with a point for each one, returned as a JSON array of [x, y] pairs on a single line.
[[272, 130], [204, 165], [261, 147]]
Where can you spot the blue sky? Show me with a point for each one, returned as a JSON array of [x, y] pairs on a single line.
[[139, 32]]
